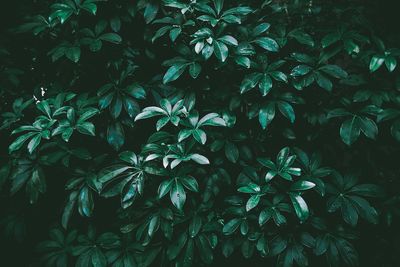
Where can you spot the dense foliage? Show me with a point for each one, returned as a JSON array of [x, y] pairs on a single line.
[[202, 132]]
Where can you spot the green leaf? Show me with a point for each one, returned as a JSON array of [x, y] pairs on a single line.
[[116, 136], [88, 114], [265, 84], [162, 122], [267, 43], [278, 245], [105, 100], [247, 249], [190, 183], [350, 130], [211, 119], [302, 185], [98, 258], [250, 188], [194, 70], [116, 107], [243, 61], [330, 39], [176, 246], [231, 226], [85, 202], [334, 71], [375, 63], [279, 76], [34, 143], [231, 152], [270, 175], [365, 209], [68, 209], [200, 136], [261, 28], [339, 112], [264, 216], [73, 53], [128, 194], [220, 50], [195, 226], [249, 82], [266, 162], [321, 244], [86, 128], [390, 63], [188, 258], [150, 112], [96, 45], [115, 24], [300, 70], [17, 144], [207, 51], [367, 190], [89, 7], [129, 157], [323, 82], [174, 33], [131, 107], [266, 115], [252, 202], [349, 212], [287, 110], [174, 72], [200, 159], [177, 195], [44, 107], [282, 156], [136, 91], [286, 176], [111, 173], [160, 32], [153, 225], [228, 40], [204, 248], [150, 12], [302, 37], [368, 127], [218, 5], [300, 206], [165, 187], [347, 252]]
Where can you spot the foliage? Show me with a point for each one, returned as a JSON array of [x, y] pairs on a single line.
[[192, 133]]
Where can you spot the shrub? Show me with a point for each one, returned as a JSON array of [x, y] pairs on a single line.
[[185, 132]]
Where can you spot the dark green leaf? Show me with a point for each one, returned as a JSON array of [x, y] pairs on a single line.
[[300, 206], [177, 194], [268, 44]]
